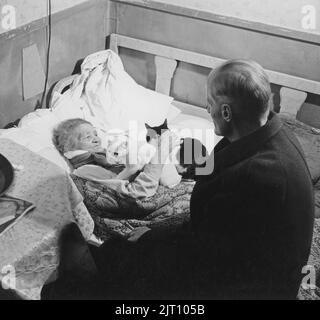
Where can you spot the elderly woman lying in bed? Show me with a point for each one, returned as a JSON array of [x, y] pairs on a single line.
[[113, 192], [78, 141]]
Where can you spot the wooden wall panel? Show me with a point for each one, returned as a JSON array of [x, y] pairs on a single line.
[[274, 52], [76, 32]]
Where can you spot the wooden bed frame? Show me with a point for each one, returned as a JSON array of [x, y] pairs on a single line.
[[293, 91]]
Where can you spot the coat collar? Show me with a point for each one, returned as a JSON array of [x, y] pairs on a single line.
[[227, 154]]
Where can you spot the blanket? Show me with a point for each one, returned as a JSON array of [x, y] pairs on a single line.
[[115, 216]]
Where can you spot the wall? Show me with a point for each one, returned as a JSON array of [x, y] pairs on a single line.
[[80, 27], [284, 13], [275, 49], [27, 11], [77, 30]]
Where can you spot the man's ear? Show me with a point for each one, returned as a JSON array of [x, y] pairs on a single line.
[[226, 112]]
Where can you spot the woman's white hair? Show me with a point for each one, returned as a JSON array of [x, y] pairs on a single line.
[[65, 136]]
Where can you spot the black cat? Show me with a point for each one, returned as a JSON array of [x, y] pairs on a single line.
[[192, 153], [153, 132]]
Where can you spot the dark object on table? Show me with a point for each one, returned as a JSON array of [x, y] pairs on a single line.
[[6, 174]]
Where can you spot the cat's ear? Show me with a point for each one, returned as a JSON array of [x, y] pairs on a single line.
[[165, 125], [147, 126]]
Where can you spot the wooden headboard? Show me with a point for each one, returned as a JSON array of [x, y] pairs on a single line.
[[293, 91]]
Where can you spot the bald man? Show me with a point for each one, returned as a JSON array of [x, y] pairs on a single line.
[[254, 215]]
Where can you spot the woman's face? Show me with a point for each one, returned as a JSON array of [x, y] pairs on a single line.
[[88, 138]]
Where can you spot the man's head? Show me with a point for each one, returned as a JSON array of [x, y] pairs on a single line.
[[238, 96], [76, 134]]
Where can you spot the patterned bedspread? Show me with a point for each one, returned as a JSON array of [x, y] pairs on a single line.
[[116, 216]]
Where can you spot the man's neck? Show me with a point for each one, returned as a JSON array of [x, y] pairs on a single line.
[[245, 130]]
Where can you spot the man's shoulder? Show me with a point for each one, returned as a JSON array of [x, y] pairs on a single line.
[[281, 159], [266, 169]]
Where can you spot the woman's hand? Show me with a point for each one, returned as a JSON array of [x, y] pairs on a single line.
[[129, 171]]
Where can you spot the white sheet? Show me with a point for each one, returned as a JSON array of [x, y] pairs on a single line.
[[110, 98]]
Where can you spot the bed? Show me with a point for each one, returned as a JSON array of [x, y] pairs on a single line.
[[172, 211]]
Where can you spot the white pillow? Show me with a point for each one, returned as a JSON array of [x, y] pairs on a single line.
[[39, 145], [27, 138], [41, 122], [105, 95], [68, 106], [114, 98], [173, 113], [45, 115], [35, 133], [141, 105]]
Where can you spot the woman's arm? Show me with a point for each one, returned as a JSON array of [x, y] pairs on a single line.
[[132, 165], [147, 182], [128, 172]]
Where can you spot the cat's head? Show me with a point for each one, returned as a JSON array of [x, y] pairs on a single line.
[[156, 130], [163, 126]]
